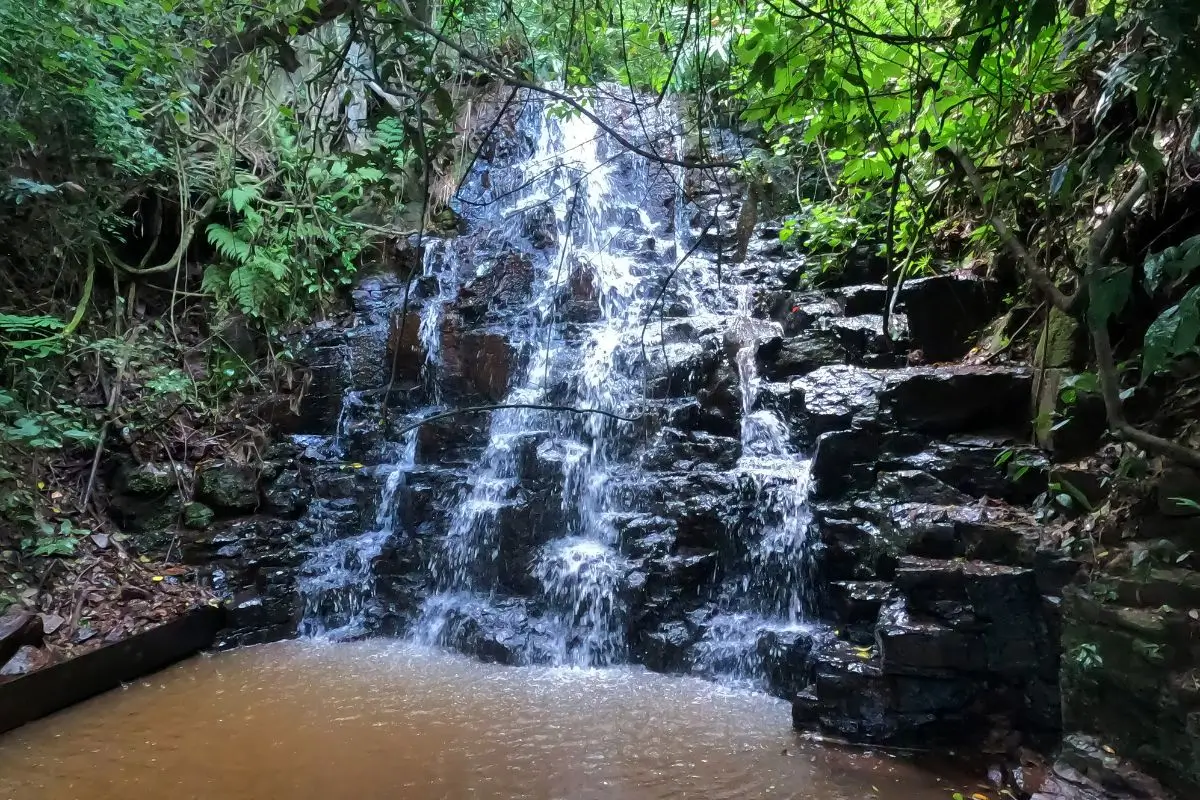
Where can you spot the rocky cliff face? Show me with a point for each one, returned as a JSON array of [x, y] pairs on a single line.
[[784, 500]]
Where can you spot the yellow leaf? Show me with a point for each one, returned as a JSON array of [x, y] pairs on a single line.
[[143, 559], [56, 509], [980, 796], [1109, 750], [41, 484], [157, 578], [356, 465]]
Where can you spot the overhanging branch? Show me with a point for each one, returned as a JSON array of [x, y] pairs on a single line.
[[512, 79], [1099, 246]]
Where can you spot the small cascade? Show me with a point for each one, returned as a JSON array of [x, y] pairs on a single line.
[[766, 604], [579, 571], [335, 582], [565, 527]]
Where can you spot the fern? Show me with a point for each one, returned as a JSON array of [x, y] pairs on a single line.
[[244, 194], [228, 244], [20, 324]]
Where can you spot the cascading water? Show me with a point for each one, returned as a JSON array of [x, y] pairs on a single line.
[[525, 558], [335, 581], [768, 596], [580, 571]]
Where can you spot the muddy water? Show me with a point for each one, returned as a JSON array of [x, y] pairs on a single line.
[[300, 721]]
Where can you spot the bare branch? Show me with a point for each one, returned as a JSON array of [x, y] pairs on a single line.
[[516, 406], [1041, 279], [1099, 246], [1110, 390], [278, 34], [514, 80]]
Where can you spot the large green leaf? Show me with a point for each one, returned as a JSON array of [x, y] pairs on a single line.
[[1108, 292], [1172, 264], [1175, 332]]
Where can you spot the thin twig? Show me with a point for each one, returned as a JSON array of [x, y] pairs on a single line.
[[514, 406]]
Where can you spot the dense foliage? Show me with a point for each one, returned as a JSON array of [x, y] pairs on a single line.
[[172, 165]]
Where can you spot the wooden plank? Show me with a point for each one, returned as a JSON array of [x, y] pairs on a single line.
[[54, 688]]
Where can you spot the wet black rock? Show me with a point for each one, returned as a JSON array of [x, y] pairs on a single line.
[[540, 226], [779, 358], [946, 312], [835, 398], [865, 341], [796, 312], [680, 451], [665, 648], [228, 487], [958, 400], [287, 495], [868, 298]]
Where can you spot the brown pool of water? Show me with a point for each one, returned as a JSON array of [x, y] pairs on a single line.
[[302, 721]]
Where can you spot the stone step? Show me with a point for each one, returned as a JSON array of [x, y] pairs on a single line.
[[957, 399], [858, 601]]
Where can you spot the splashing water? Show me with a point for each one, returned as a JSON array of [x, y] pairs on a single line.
[[528, 563], [769, 597], [335, 582]]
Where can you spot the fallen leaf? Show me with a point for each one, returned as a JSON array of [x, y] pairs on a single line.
[[143, 559], [51, 623], [1109, 750], [980, 796], [100, 540], [157, 578], [1194, 614], [175, 571]]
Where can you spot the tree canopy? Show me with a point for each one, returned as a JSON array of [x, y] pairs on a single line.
[[217, 160]]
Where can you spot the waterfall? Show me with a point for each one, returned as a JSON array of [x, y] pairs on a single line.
[[579, 571], [769, 595], [335, 581], [521, 540]]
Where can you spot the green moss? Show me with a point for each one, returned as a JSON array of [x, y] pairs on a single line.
[[197, 515]]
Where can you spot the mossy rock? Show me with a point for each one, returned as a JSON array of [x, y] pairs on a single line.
[[148, 480], [198, 516], [229, 487], [1062, 343]]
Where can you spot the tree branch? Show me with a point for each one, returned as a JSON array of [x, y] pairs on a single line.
[[1041, 279], [505, 406], [1099, 245], [305, 22], [1110, 391], [515, 80]]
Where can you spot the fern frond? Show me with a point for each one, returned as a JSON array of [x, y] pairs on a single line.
[[18, 323], [228, 244]]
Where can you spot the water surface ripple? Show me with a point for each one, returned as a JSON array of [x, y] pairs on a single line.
[[371, 719]]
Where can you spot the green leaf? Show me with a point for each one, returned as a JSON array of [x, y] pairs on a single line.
[[1175, 332], [1156, 346], [1108, 292], [979, 49], [1173, 263]]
